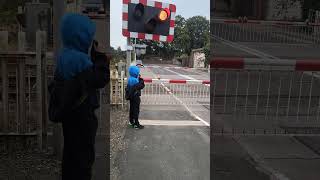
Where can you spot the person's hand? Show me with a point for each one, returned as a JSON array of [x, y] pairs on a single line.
[[140, 78]]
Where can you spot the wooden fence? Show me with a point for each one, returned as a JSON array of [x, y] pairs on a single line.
[[24, 99]]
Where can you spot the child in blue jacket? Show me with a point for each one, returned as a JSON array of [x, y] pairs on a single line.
[[135, 85]]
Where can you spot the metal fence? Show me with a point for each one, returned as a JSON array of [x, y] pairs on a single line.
[[266, 31], [165, 92], [261, 96]]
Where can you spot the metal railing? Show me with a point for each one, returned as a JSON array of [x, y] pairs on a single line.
[[261, 96], [165, 92], [175, 92], [266, 31]]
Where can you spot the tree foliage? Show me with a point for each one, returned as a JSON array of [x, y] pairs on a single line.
[[197, 28]]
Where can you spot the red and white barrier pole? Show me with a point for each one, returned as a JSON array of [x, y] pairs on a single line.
[[265, 64]]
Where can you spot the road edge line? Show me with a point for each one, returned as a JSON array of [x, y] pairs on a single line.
[[185, 106]]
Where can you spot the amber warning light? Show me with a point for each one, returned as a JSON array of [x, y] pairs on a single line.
[[164, 14]]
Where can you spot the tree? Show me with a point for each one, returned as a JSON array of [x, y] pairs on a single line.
[[181, 40], [197, 27], [118, 54]]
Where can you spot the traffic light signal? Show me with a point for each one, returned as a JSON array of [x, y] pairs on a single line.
[[158, 19], [148, 18], [138, 11]]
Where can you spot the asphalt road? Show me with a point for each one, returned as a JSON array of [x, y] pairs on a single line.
[[282, 51]]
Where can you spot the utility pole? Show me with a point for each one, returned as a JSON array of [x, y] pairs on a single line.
[[58, 11], [128, 55]]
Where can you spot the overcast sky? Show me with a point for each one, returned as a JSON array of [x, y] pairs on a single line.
[[186, 8]]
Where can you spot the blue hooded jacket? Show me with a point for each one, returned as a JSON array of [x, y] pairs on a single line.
[[134, 72], [77, 33]]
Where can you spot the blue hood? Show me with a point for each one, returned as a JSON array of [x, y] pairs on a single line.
[[77, 33], [134, 72]]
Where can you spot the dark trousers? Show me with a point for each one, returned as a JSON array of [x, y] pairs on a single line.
[[79, 151], [134, 110]]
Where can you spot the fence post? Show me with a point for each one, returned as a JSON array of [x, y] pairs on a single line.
[[21, 84], [58, 11], [44, 93], [39, 88], [21, 95], [122, 88], [21, 41], [4, 76], [111, 90]]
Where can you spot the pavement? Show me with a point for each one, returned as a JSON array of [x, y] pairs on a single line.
[[165, 151]]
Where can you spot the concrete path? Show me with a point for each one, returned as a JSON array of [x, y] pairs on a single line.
[[166, 150]]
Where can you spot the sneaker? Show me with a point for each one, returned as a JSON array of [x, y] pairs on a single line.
[[130, 125], [138, 126]]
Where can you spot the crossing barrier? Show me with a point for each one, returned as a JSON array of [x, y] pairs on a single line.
[[166, 92], [265, 96]]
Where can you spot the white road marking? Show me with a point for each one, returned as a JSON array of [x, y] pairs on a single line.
[[171, 123], [184, 76], [245, 48], [185, 106]]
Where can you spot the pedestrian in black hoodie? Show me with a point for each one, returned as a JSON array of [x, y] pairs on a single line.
[[78, 78], [134, 87]]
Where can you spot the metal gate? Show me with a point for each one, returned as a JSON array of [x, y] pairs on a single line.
[[165, 92], [264, 96], [174, 92]]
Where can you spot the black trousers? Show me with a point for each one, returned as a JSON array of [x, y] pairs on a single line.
[[134, 110], [79, 146]]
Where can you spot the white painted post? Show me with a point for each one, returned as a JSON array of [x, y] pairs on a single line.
[[128, 56]]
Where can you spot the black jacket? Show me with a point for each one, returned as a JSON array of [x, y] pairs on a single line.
[[80, 94], [134, 92]]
